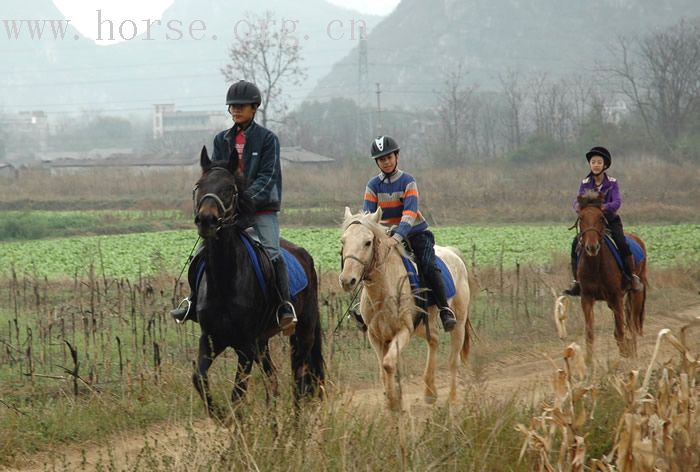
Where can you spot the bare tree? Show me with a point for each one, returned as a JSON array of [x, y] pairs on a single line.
[[553, 109], [659, 74], [515, 95], [457, 111], [267, 53]]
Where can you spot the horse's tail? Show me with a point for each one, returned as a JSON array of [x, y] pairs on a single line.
[[472, 279], [474, 287], [307, 346]]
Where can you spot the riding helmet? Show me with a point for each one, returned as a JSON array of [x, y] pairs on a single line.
[[383, 145], [243, 93], [602, 152]]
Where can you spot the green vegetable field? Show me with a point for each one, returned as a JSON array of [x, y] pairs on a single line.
[[129, 255]]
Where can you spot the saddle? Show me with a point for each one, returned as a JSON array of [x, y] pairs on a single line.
[[418, 287], [262, 266]]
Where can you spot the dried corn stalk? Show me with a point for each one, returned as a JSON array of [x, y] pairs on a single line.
[[562, 418], [659, 430]]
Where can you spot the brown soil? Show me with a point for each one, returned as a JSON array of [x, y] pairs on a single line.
[[525, 374]]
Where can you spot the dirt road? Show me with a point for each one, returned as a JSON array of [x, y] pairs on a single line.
[[488, 375]]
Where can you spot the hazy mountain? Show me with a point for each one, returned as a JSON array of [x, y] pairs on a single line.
[[73, 73], [410, 49]]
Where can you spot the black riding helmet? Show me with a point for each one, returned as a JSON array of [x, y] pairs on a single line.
[[602, 152], [383, 145], [243, 93]]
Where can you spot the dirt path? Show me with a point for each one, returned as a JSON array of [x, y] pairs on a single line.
[[501, 376]]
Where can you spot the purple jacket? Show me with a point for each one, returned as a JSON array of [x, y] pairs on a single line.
[[609, 189]]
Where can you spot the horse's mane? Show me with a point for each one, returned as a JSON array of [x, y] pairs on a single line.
[[365, 220], [590, 198], [378, 230], [246, 207]]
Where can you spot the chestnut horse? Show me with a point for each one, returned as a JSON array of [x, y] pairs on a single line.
[[236, 311], [601, 278], [387, 303]]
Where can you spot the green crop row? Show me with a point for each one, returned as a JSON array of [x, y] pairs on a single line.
[[129, 255]]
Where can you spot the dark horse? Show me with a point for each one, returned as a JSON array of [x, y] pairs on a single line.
[[602, 279], [235, 311]]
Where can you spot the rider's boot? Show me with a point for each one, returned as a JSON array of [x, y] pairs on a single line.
[[286, 316], [636, 284], [447, 316], [575, 289]]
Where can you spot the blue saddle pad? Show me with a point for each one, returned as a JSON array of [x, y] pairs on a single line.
[[450, 289], [635, 249], [297, 277]]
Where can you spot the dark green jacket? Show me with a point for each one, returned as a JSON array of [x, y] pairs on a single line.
[[261, 157]]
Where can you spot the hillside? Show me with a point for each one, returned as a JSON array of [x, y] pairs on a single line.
[[74, 74], [410, 49]]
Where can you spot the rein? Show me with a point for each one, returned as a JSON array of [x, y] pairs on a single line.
[[229, 215]]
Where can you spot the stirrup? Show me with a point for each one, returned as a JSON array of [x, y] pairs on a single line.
[[636, 278], [448, 318], [177, 319], [291, 323], [574, 290]]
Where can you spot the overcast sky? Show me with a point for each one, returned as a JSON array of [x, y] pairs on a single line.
[[81, 13]]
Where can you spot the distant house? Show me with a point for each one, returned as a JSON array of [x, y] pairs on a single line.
[[26, 132], [167, 121], [7, 170], [614, 112], [132, 163], [297, 156]]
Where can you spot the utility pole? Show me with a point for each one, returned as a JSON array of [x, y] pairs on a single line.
[[379, 109], [363, 97]]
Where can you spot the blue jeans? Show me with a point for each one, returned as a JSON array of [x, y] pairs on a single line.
[[268, 229]]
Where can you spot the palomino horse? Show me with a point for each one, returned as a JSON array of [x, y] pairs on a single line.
[[387, 303], [601, 278], [236, 310]]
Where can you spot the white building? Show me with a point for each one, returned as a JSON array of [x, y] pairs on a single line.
[[169, 121]]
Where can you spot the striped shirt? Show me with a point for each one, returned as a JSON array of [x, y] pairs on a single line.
[[398, 198]]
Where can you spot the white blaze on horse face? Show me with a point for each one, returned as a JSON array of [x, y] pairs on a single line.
[[357, 252]]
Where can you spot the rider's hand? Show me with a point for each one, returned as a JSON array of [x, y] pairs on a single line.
[[392, 242]]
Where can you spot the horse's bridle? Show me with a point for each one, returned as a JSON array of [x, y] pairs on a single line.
[[590, 228], [367, 266], [228, 213]]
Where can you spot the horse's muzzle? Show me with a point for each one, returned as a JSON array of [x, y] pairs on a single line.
[[592, 250], [348, 283], [206, 224]]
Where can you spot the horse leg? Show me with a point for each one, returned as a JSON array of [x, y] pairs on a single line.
[[457, 338], [430, 393], [380, 348], [265, 361], [623, 344], [207, 353], [587, 307], [390, 366], [245, 366], [634, 308]]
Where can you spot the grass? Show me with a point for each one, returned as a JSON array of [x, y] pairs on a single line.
[[349, 431], [490, 192]]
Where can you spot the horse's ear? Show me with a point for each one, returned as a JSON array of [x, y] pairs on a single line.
[[204, 160], [348, 213], [377, 215]]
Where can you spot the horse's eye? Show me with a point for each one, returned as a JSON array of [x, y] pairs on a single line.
[[367, 243]]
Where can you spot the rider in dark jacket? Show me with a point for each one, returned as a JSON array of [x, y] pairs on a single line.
[[254, 152]]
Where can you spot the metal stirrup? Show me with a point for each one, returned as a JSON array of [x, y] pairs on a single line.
[[294, 313], [187, 313]]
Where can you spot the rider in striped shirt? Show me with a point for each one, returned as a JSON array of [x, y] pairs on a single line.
[[396, 193]]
